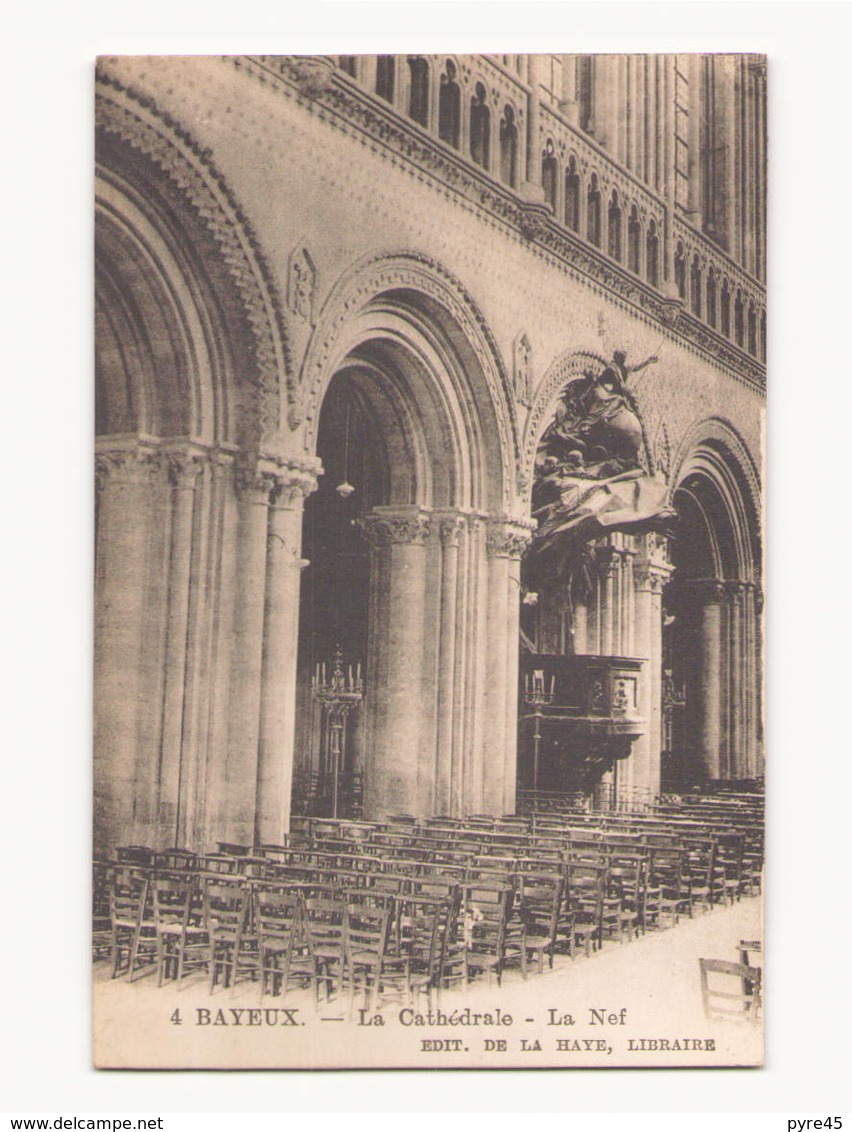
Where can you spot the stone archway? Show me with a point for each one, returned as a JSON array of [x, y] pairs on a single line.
[[192, 479], [444, 542], [713, 609]]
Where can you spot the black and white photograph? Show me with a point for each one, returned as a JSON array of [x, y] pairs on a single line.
[[429, 656]]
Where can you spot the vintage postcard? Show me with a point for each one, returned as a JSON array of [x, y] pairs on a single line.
[[429, 517]]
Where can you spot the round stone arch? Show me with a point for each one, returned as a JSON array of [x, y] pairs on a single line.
[[715, 602], [714, 456], [184, 272], [193, 363], [405, 315], [443, 542]]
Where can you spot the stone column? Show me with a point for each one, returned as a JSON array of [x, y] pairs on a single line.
[[667, 250], [207, 678], [506, 541], [253, 486], [294, 481], [532, 190], [568, 105], [651, 573], [610, 565], [184, 467], [394, 782], [450, 527], [749, 682], [726, 140], [125, 475], [736, 699], [709, 595], [693, 63]]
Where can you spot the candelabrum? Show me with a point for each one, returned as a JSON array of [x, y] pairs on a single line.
[[338, 695], [537, 696]]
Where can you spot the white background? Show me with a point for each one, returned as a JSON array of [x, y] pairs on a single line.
[[46, 384]]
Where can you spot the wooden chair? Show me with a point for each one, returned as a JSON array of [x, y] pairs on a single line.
[[730, 991], [627, 881], [366, 949], [102, 937], [586, 886], [486, 909], [134, 934], [667, 895], [232, 948], [326, 925], [182, 942], [541, 897], [281, 937]]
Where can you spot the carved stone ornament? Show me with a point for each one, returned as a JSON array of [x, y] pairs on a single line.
[[395, 530], [314, 74], [663, 451], [651, 577], [184, 467], [255, 485], [295, 480], [137, 122], [302, 285], [450, 528], [710, 591], [508, 538], [128, 465], [523, 370]]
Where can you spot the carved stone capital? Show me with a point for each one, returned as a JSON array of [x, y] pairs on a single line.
[[508, 538], [608, 560], [710, 591], [395, 529], [735, 591], [295, 480], [254, 486], [651, 577], [655, 548], [450, 527], [128, 464], [184, 465]]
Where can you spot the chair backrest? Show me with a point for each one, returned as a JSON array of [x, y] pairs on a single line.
[[172, 897], [225, 906], [367, 929], [747, 948], [135, 855], [278, 911], [730, 990], [174, 859], [129, 895], [325, 919]]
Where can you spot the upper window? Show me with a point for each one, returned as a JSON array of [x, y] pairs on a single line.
[[385, 75], [480, 128], [614, 238], [509, 148], [449, 107], [572, 196], [593, 212], [634, 241], [418, 89], [548, 174]]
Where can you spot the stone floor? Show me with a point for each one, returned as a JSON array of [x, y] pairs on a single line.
[[617, 1007]]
